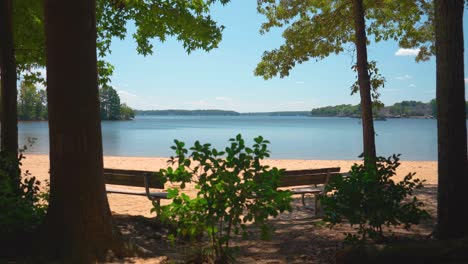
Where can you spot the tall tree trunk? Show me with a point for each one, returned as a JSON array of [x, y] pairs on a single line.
[[79, 224], [8, 93], [452, 213], [364, 80]]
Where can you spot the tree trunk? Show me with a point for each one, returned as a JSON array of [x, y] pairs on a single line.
[[452, 213], [8, 112], [78, 224], [364, 81]]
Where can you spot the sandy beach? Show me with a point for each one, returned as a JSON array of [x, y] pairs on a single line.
[[38, 166]]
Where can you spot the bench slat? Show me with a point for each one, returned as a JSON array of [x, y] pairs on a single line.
[[128, 178], [122, 171], [136, 192], [305, 179], [306, 190], [312, 171]]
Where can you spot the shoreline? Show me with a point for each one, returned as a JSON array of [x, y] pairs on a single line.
[[267, 159], [425, 169], [38, 166]]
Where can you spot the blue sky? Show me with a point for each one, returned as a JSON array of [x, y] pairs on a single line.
[[223, 78]]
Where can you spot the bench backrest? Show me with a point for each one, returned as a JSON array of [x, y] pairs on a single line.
[[308, 177], [135, 178]]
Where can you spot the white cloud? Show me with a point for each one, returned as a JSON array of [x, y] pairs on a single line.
[[412, 85], [404, 77], [466, 80], [407, 52]]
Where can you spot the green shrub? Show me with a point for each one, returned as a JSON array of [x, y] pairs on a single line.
[[233, 189], [22, 203], [369, 199]]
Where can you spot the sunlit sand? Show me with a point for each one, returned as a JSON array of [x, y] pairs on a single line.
[[38, 165]]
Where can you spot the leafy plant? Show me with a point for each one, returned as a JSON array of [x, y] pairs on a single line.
[[371, 199], [23, 204], [233, 189]]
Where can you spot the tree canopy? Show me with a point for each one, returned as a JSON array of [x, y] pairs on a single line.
[[188, 21], [316, 29]]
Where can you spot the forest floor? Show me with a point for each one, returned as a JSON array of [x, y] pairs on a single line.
[[300, 237]]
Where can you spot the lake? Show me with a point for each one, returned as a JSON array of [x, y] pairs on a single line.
[[290, 137]]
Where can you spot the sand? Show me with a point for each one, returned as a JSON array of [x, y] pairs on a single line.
[[38, 166]]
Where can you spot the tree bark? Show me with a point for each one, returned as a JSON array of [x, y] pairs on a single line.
[[452, 213], [8, 93], [364, 80], [78, 225]]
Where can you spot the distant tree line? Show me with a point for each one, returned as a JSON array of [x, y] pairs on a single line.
[[32, 104], [401, 109], [213, 112], [344, 110], [279, 113]]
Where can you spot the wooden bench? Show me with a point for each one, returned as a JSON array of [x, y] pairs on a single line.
[[312, 181], [136, 178]]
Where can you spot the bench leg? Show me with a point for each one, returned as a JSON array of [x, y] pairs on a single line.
[[303, 201], [317, 204]]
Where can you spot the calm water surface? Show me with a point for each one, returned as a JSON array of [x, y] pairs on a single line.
[[290, 137]]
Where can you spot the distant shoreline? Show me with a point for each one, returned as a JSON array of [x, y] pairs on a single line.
[[216, 112], [259, 114]]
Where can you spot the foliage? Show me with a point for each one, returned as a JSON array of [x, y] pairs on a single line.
[[29, 38], [411, 108], [32, 103], [22, 202], [371, 199], [188, 21], [403, 109], [233, 190], [433, 104], [376, 81], [317, 29], [126, 113], [338, 110], [109, 103]]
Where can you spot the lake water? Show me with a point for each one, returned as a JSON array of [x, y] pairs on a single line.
[[290, 137]]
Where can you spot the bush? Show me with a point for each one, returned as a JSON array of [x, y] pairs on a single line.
[[233, 188], [22, 204], [370, 199]]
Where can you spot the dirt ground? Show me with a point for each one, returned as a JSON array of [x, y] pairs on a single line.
[[300, 237]]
